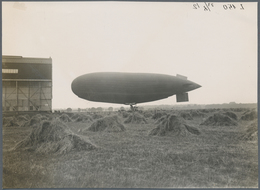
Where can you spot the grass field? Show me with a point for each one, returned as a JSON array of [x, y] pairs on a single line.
[[133, 159]]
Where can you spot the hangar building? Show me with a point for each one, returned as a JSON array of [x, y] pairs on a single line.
[[26, 84]]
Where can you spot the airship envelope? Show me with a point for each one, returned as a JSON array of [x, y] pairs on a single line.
[[131, 88]]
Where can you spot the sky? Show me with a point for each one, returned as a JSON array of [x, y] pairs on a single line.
[[214, 45]]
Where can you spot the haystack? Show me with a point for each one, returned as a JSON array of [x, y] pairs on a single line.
[[161, 119], [54, 137], [251, 132], [136, 118], [109, 124], [173, 125], [81, 118], [65, 118], [125, 114], [10, 122], [205, 110], [196, 113], [231, 115], [147, 114], [238, 109], [35, 121], [22, 120], [23, 117], [41, 117], [186, 116], [97, 116], [15, 121], [158, 115], [219, 119], [248, 116]]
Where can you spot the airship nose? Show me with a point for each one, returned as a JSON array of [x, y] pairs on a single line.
[[75, 86], [191, 86]]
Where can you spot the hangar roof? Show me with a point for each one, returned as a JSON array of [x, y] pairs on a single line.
[[18, 67]]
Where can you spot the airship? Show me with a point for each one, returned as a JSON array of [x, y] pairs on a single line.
[[131, 88]]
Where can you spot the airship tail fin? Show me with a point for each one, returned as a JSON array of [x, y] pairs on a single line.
[[183, 97], [181, 76]]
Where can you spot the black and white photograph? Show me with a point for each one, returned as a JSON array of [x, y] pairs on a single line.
[[129, 94]]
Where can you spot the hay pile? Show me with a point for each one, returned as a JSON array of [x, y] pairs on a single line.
[[248, 116], [23, 117], [18, 121], [97, 116], [196, 113], [54, 137], [32, 122], [205, 110], [65, 118], [10, 122], [219, 119], [81, 118], [109, 124], [35, 120], [159, 114], [231, 115], [42, 117], [238, 109], [147, 114], [251, 132], [125, 114], [186, 116], [173, 125], [136, 118]]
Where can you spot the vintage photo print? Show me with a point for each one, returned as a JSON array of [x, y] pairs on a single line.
[[129, 94]]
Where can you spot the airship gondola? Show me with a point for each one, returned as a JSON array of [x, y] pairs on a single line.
[[131, 88]]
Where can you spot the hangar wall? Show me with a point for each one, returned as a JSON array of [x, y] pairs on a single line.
[[26, 84]]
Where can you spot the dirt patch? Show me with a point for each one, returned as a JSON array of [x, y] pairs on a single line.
[[173, 125], [109, 124], [135, 118], [219, 119], [54, 137]]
